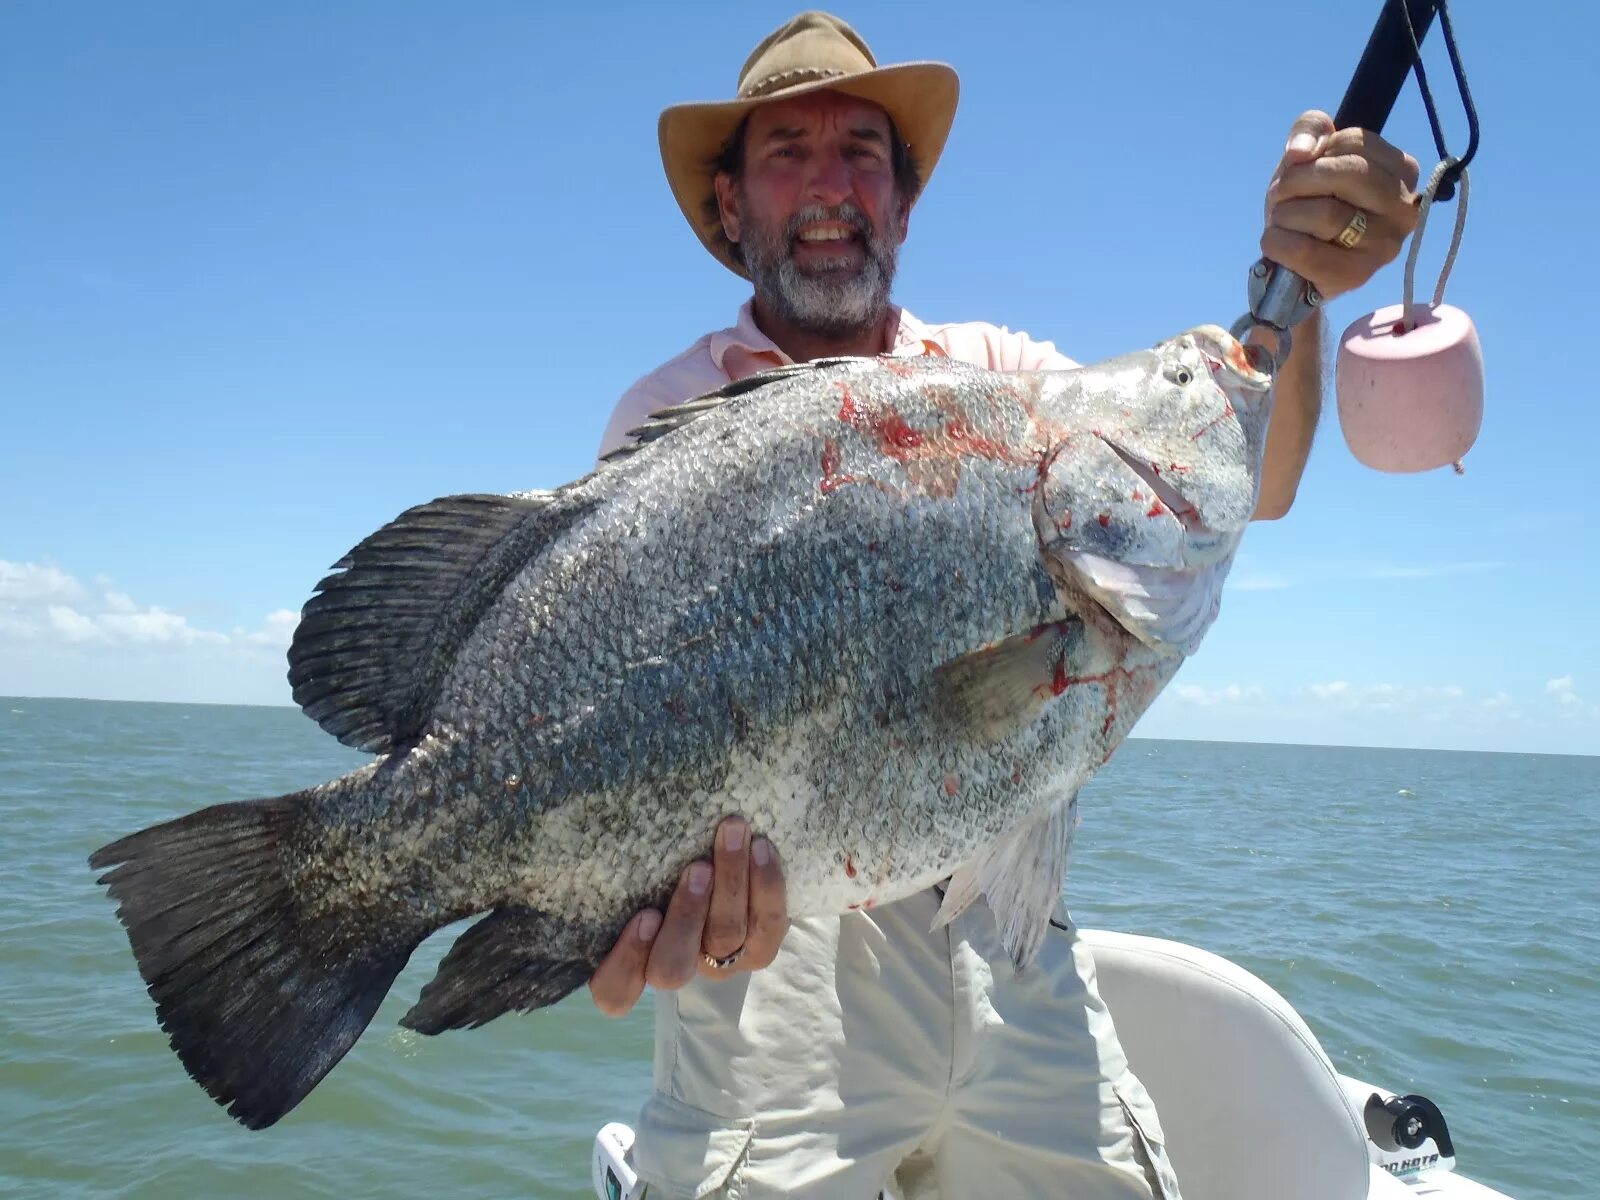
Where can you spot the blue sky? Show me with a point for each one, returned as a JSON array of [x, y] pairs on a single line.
[[273, 274]]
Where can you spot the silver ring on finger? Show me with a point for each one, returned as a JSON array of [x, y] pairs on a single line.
[[1354, 230], [722, 964]]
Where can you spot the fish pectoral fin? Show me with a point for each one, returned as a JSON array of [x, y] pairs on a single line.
[[667, 420], [375, 642], [1020, 875], [514, 960], [991, 691]]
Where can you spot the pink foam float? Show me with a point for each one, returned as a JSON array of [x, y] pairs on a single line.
[[1410, 387], [1410, 377]]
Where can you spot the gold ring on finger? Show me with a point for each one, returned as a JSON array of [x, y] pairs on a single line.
[[722, 964], [1355, 228]]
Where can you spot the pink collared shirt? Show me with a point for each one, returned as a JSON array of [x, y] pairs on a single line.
[[720, 358]]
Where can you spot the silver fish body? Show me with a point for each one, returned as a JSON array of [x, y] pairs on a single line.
[[896, 612]]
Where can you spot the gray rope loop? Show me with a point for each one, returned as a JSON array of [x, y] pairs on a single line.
[[1439, 172]]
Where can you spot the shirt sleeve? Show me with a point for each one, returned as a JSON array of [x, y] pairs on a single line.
[[691, 374], [635, 407], [1019, 352]]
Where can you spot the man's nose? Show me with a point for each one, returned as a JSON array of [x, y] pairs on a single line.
[[830, 180]]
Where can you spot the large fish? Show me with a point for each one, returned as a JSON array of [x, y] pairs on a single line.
[[894, 611]]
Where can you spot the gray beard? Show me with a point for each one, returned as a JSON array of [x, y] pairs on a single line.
[[829, 303]]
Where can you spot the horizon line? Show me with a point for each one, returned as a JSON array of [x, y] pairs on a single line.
[[1132, 737]]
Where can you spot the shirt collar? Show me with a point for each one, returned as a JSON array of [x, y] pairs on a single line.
[[910, 337]]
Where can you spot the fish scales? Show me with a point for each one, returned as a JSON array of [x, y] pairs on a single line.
[[895, 612]]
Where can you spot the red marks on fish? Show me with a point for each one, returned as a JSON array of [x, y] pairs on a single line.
[[930, 440], [1060, 681], [1016, 775], [1156, 509], [1247, 360], [896, 433], [850, 866], [831, 479], [847, 406], [1177, 468], [1137, 494], [1111, 680], [1104, 519], [1227, 411], [952, 784]]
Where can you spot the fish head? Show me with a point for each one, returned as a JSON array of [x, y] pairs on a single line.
[[1151, 473]]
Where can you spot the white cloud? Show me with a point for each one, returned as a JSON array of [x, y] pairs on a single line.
[[1210, 697], [1258, 583], [71, 626], [1388, 697], [155, 626], [35, 583], [1561, 688], [44, 604], [276, 631]]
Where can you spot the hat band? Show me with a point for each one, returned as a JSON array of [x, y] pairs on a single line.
[[785, 79]]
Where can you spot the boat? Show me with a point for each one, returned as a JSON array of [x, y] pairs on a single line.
[[1251, 1105]]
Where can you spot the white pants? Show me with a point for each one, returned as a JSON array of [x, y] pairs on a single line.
[[874, 1053]]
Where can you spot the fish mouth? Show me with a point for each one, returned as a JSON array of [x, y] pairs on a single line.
[[1177, 503]]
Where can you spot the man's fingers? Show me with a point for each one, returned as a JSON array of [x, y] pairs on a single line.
[[1381, 154], [725, 921], [676, 954], [769, 908], [618, 982], [1325, 218], [1307, 136]]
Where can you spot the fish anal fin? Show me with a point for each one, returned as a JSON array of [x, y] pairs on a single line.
[[513, 960], [374, 643]]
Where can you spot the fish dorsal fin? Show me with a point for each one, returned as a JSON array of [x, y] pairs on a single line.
[[666, 420], [376, 639]]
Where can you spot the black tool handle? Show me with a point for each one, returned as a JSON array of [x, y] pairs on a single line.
[[1384, 65]]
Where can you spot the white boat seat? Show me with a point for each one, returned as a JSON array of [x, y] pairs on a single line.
[[1251, 1107]]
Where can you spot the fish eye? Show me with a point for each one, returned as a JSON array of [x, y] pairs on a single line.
[[1183, 376]]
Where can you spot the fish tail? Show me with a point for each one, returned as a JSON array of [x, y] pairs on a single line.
[[260, 989]]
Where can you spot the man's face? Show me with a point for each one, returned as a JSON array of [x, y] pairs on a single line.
[[817, 214]]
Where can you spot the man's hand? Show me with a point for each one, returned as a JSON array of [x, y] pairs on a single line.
[[1325, 177], [735, 903]]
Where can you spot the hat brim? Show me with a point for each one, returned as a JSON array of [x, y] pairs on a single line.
[[920, 96]]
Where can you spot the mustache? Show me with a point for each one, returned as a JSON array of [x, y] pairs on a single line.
[[844, 213]]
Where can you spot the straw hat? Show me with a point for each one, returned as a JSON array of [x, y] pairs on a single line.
[[812, 53]]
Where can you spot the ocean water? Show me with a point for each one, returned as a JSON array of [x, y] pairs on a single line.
[[1434, 916]]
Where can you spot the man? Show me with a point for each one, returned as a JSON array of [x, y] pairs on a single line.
[[870, 1049]]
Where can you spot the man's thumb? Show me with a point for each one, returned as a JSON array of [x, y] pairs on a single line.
[[1308, 135]]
